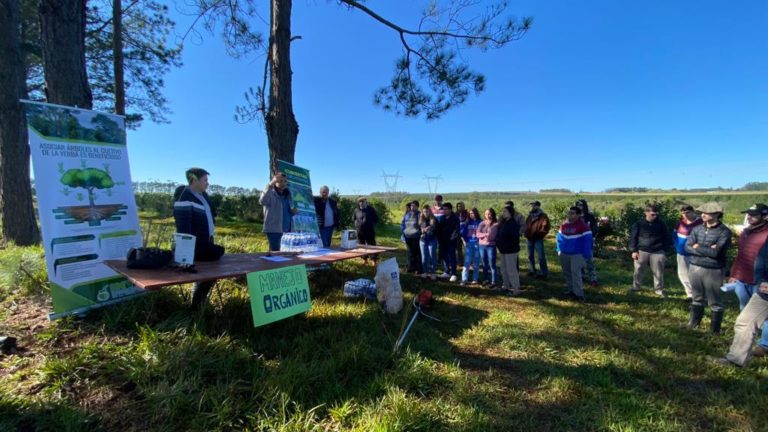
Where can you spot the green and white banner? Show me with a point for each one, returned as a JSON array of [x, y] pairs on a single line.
[[278, 294], [85, 202], [301, 193]]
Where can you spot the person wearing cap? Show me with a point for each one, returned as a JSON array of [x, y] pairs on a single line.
[[649, 241], [743, 278], [591, 221], [537, 227], [688, 221], [327, 212], [365, 220], [754, 315], [411, 235], [278, 209], [574, 246], [707, 246], [751, 239]]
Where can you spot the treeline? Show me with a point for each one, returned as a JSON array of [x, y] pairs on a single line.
[[168, 186], [240, 207], [751, 186]]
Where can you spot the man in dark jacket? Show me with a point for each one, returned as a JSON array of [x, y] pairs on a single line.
[[365, 219], [649, 241], [448, 233], [751, 317], [707, 246], [327, 212], [194, 214]]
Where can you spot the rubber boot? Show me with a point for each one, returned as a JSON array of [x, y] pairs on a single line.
[[717, 321], [200, 292], [697, 312]]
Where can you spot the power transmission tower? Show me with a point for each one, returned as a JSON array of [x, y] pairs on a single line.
[[390, 184], [432, 183]]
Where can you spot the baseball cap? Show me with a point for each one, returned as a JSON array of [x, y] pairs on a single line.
[[537, 202], [757, 210]]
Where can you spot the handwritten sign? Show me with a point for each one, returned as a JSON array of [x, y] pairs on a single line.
[[278, 294]]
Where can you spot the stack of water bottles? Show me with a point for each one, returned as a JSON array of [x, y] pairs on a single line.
[[360, 288], [300, 242]]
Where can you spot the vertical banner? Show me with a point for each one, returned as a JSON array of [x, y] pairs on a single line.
[[85, 202], [278, 294], [301, 193]]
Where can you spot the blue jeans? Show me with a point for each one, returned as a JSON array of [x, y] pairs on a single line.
[[274, 241], [471, 257], [537, 246], [743, 292], [326, 233], [429, 256], [448, 250], [488, 255]]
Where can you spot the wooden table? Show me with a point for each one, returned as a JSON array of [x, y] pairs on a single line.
[[231, 266]]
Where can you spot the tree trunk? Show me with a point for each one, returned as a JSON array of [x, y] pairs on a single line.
[[282, 128], [117, 51], [62, 33], [17, 216]]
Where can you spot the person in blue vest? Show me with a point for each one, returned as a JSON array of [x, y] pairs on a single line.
[[327, 211], [194, 214]]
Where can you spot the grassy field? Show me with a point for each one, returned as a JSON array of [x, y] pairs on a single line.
[[620, 362]]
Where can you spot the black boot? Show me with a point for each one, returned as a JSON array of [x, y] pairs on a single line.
[[697, 312], [200, 292], [717, 321]]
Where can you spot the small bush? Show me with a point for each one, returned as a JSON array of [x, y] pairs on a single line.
[[23, 271]]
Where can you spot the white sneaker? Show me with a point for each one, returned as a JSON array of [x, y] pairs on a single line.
[[444, 276], [453, 278]]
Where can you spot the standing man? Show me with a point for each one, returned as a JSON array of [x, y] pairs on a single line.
[[448, 234], [194, 214], [707, 246], [574, 245], [649, 241], [688, 221], [365, 219], [751, 239], [591, 222], [278, 210], [327, 212], [751, 317], [536, 229]]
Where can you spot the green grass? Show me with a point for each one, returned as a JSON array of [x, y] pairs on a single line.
[[621, 362]]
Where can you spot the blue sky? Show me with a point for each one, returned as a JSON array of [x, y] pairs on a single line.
[[598, 94]]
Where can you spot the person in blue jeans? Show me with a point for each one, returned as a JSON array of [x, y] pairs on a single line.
[[327, 212], [428, 242], [471, 247], [537, 227], [486, 236]]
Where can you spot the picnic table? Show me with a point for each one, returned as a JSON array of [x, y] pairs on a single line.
[[236, 265]]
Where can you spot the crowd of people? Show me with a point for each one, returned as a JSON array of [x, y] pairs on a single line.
[[438, 235]]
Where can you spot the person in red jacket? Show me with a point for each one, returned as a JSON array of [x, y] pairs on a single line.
[[752, 238]]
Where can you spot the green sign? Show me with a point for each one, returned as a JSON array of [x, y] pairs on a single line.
[[278, 294], [305, 219]]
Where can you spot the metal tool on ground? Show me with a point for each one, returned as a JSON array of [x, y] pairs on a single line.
[[423, 300]]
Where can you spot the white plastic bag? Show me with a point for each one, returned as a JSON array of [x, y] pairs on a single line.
[[388, 291]]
